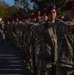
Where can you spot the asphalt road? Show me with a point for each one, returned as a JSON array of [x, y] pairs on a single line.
[[10, 61]]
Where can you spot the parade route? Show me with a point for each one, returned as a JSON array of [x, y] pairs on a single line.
[[11, 62]]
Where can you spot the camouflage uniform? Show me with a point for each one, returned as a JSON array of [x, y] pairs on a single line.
[[1, 34], [5, 31], [17, 34], [45, 48], [27, 44], [65, 40], [34, 44], [13, 33]]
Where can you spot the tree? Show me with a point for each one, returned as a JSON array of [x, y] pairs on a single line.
[[40, 4], [6, 10], [1, 12], [24, 4]]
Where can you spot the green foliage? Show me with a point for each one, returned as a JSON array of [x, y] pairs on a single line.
[[24, 4], [7, 11], [39, 4]]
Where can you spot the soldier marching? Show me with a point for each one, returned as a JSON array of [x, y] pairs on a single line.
[[44, 42]]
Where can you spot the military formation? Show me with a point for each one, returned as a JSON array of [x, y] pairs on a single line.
[[45, 42]]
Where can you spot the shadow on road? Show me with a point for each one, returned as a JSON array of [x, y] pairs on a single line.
[[10, 62]]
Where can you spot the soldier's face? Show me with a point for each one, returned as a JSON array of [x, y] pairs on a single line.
[[52, 14], [8, 22], [44, 17]]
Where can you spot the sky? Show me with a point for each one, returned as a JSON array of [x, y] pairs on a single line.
[[10, 2]]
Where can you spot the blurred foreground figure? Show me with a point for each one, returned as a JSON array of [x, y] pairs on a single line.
[[65, 39]]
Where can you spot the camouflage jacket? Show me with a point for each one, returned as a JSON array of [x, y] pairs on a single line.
[[65, 40], [45, 42], [49, 43]]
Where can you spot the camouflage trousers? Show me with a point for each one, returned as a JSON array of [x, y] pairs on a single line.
[[42, 68]]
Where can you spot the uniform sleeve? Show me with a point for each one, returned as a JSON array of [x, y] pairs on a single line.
[[61, 28], [71, 29]]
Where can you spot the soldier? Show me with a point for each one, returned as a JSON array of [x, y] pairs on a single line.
[[33, 28], [1, 33], [13, 32], [43, 14], [65, 40], [47, 44], [7, 30], [26, 41]]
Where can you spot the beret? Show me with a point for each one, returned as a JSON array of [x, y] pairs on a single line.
[[50, 8], [69, 5], [36, 13], [42, 12]]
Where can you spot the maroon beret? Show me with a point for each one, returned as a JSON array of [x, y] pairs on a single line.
[[42, 12], [69, 5], [50, 8]]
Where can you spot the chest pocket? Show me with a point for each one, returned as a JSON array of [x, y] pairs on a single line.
[[47, 47]]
